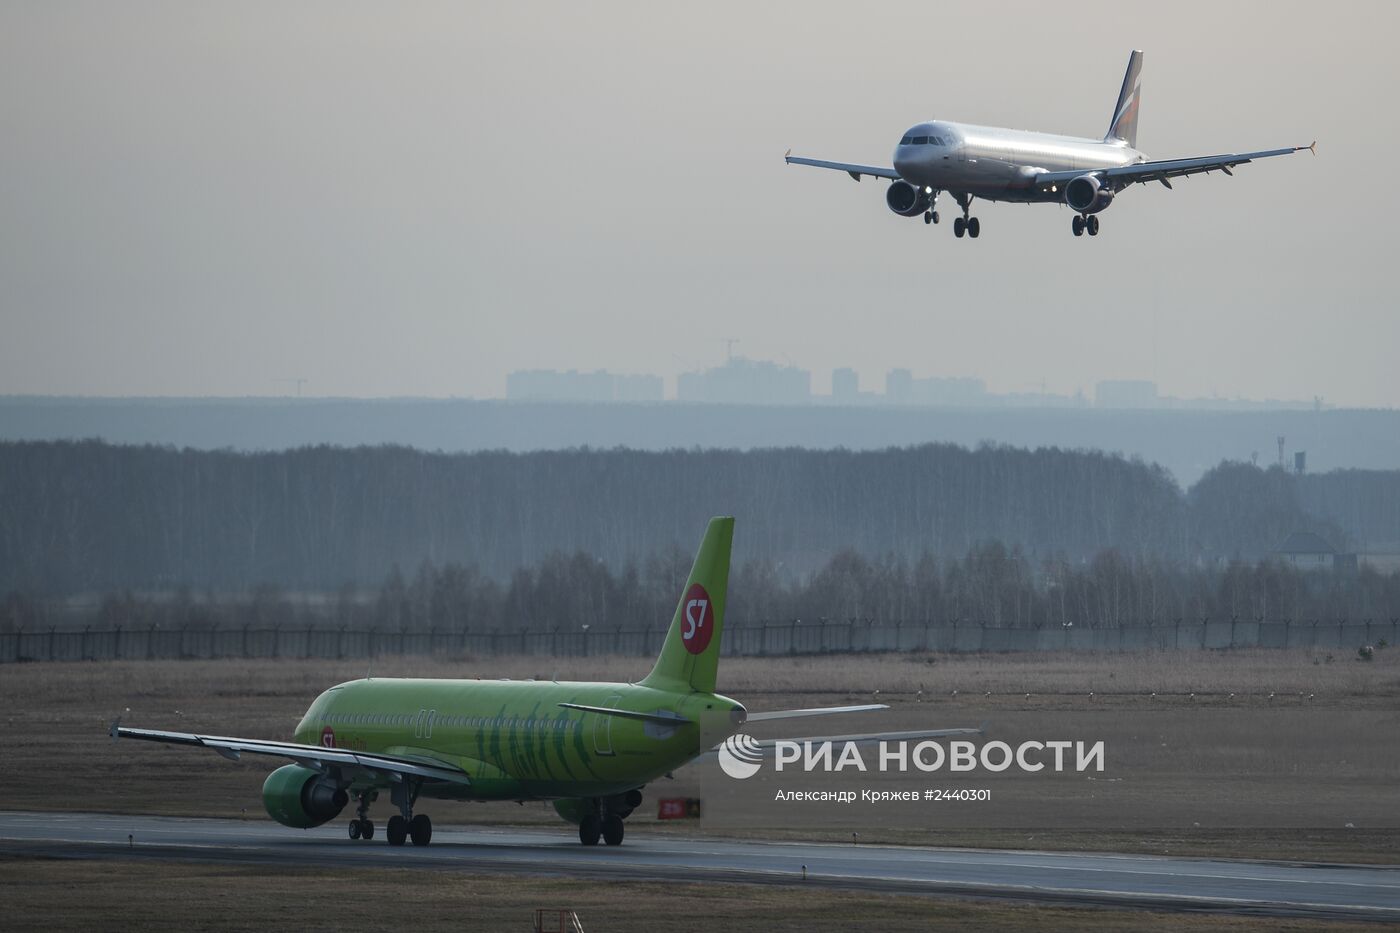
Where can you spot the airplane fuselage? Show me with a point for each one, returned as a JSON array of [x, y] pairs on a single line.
[[513, 739], [998, 164]]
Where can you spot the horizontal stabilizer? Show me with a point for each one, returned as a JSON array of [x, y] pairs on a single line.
[[660, 717], [861, 738], [766, 746], [815, 711]]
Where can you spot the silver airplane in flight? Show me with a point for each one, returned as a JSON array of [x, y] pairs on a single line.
[[998, 164]]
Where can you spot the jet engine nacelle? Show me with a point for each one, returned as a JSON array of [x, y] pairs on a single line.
[[906, 200], [1086, 195], [301, 797]]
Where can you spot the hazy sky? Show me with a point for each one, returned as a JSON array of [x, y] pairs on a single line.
[[415, 199]]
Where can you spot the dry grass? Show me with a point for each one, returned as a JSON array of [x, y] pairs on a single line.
[[57, 756], [59, 896]]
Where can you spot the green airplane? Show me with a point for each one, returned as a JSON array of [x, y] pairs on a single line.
[[588, 747]]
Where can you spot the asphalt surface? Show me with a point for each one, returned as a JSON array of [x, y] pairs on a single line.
[[1162, 883]]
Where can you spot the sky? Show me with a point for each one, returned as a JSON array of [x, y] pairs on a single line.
[[414, 199]]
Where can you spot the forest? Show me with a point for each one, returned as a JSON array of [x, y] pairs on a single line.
[[990, 586], [92, 518]]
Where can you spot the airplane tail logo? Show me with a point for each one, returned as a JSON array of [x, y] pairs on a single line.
[[1125, 113], [740, 756], [698, 620]]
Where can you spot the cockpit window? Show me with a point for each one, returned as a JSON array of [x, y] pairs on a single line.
[[920, 141], [906, 141], [935, 140]]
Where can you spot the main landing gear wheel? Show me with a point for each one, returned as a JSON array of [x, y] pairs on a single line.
[[1092, 225], [973, 227], [959, 227], [590, 828], [1077, 225], [420, 829], [612, 829], [397, 830], [354, 829]]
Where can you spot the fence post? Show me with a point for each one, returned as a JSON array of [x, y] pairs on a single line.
[[340, 643], [19, 637], [83, 654], [117, 644]]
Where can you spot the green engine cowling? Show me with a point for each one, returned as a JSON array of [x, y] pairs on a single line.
[[302, 798]]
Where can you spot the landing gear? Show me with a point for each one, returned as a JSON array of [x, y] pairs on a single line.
[[1077, 225], [965, 224], [361, 826], [1092, 225], [590, 828], [931, 215], [404, 825], [1081, 224], [420, 829], [602, 817]]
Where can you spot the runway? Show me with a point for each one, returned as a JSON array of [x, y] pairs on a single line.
[[1163, 883]]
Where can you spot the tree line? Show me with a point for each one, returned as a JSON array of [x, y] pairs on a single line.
[[990, 585], [90, 517]]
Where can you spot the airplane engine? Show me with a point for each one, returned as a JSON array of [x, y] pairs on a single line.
[[302, 798], [1086, 194], [906, 200]]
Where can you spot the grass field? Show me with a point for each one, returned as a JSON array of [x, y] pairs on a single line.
[[57, 896], [58, 755]]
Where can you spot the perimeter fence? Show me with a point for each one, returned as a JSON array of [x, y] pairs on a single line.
[[762, 639]]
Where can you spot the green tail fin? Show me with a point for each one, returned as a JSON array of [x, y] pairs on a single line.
[[690, 656]]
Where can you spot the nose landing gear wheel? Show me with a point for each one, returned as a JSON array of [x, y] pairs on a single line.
[[973, 227], [1077, 225], [397, 830], [612, 829], [590, 828], [1092, 225], [959, 227], [420, 829]]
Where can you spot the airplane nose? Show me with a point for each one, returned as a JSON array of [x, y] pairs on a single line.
[[902, 162]]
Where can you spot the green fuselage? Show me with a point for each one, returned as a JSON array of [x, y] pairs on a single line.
[[513, 739]]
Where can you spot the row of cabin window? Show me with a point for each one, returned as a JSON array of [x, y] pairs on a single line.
[[922, 141], [406, 719]]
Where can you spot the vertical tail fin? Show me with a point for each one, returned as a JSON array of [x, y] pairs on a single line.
[[690, 656], [1125, 113]]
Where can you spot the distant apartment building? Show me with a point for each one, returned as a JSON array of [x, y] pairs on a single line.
[[1126, 393], [902, 388], [845, 385], [742, 381], [548, 385]]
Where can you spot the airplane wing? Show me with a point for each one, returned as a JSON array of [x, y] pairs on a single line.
[[1161, 171], [855, 171], [310, 756]]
